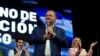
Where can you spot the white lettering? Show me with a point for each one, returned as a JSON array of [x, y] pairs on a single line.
[[3, 12], [6, 39], [33, 16], [13, 13], [22, 28], [4, 24], [13, 26], [24, 15]]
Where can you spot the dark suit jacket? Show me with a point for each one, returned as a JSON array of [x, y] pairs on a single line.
[[55, 43]]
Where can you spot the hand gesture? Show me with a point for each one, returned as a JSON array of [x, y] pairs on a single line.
[[93, 44], [27, 45], [46, 36], [50, 30]]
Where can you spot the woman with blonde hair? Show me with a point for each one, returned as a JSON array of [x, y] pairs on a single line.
[[77, 50]]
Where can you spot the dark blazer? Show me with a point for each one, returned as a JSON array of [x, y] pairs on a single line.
[[56, 42], [22, 54]]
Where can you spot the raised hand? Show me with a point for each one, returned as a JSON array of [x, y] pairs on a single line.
[[93, 44], [27, 45], [50, 30]]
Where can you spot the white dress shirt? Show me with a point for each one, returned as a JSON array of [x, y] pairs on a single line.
[[11, 52], [47, 47]]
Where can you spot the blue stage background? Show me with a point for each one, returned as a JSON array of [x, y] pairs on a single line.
[[64, 21]]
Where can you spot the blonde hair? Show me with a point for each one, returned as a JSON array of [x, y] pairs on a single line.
[[73, 42]]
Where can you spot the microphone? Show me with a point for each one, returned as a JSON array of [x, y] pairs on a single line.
[[48, 24]]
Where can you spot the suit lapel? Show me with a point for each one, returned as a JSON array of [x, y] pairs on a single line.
[[43, 30], [55, 29]]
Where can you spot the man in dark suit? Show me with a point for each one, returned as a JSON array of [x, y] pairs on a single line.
[[50, 35]]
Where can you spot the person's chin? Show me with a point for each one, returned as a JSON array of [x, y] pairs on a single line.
[[48, 21]]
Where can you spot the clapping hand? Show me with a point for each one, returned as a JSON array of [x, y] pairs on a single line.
[[27, 45], [93, 44]]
